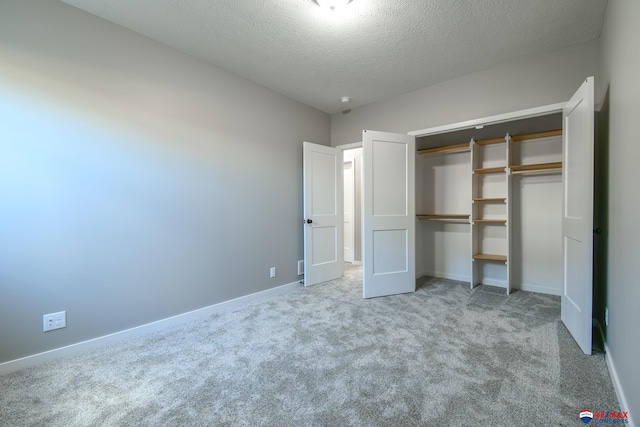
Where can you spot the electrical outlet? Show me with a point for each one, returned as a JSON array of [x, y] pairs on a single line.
[[300, 267], [606, 316], [272, 272], [53, 321]]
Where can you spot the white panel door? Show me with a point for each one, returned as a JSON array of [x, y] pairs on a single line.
[[388, 256], [577, 212], [323, 235]]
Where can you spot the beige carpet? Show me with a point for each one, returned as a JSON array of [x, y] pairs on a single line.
[[323, 356]]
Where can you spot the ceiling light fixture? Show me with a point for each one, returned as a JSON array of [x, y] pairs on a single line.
[[332, 5], [345, 99]]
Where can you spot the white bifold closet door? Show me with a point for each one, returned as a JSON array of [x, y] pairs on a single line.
[[388, 214], [577, 215]]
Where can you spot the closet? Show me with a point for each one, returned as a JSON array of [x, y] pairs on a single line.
[[529, 180], [489, 205]]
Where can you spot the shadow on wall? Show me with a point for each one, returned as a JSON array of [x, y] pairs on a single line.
[[601, 213]]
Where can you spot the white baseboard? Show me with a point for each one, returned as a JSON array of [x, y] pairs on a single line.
[[72, 349], [464, 278], [537, 289], [616, 385], [450, 276], [494, 282], [491, 282]]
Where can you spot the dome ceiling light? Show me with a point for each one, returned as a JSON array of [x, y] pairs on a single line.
[[332, 5]]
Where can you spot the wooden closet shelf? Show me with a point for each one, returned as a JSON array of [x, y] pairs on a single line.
[[490, 199], [444, 217], [537, 168], [491, 221], [490, 257], [490, 141], [536, 135], [490, 170], [455, 148]]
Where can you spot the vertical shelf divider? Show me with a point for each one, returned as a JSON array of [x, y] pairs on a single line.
[[474, 279], [509, 156], [478, 222]]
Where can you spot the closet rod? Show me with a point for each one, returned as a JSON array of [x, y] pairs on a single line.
[[534, 171], [536, 135], [465, 220], [536, 167], [449, 215], [489, 199], [463, 146], [521, 137], [444, 217], [498, 169]]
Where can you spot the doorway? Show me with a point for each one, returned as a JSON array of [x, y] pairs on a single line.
[[387, 242], [352, 169]]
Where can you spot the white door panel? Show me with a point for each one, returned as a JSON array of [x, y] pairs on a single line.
[[577, 221], [323, 226], [389, 214]]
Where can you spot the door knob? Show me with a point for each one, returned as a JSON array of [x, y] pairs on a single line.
[[309, 221]]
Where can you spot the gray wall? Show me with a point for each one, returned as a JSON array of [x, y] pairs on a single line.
[[620, 62], [532, 82], [136, 182]]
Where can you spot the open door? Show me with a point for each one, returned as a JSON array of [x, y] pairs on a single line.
[[388, 253], [323, 226], [577, 211]]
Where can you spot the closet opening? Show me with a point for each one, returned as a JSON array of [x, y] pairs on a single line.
[[489, 205]]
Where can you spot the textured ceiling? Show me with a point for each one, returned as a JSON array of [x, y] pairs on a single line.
[[375, 49]]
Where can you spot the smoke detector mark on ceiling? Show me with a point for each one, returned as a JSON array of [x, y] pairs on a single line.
[[333, 5]]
